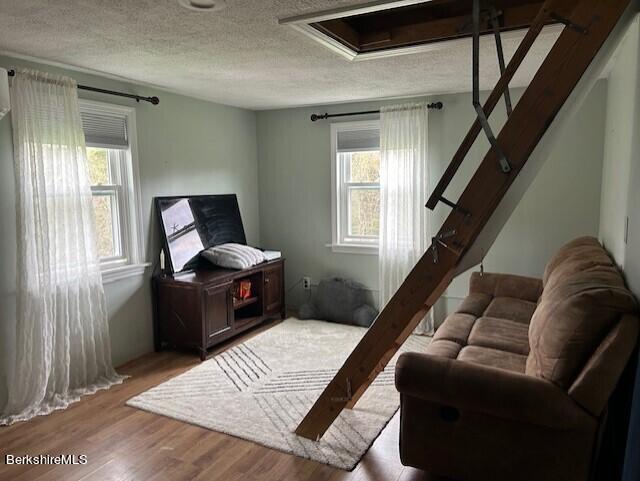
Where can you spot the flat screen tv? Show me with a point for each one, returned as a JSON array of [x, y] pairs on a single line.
[[193, 223]]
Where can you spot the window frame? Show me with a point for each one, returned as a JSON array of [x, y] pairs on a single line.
[[341, 241], [130, 261]]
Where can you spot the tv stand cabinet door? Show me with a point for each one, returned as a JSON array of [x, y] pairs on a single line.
[[273, 289], [218, 310]]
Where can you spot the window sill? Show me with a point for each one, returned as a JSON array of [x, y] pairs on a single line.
[[354, 249], [118, 273]]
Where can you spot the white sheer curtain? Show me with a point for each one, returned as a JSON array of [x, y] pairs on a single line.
[[62, 339], [404, 180]]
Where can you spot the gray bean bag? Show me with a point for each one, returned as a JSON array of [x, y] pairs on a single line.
[[340, 300]]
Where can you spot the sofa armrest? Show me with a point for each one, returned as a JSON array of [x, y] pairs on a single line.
[[506, 285], [491, 391]]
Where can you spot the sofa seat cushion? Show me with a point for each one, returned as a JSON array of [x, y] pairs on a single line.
[[502, 334], [511, 308], [443, 348], [456, 328], [487, 356]]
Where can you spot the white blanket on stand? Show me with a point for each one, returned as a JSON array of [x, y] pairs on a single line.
[[234, 256]]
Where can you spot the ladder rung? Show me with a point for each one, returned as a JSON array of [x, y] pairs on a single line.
[[568, 23], [454, 206]]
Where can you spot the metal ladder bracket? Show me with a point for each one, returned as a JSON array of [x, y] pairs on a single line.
[[346, 398], [505, 166], [494, 17], [440, 240]]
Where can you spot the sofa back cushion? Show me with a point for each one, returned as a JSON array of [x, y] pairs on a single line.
[[577, 255], [584, 296]]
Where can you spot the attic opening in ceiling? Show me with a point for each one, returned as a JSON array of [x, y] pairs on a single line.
[[380, 29]]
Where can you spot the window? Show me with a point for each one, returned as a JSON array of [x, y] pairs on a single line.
[[113, 174], [355, 186]]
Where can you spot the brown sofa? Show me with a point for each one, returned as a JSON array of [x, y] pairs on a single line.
[[515, 384]]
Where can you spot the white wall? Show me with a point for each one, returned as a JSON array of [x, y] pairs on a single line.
[[621, 149], [632, 59], [295, 203], [186, 146], [621, 168]]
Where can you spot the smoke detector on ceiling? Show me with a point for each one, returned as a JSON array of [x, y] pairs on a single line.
[[203, 5]]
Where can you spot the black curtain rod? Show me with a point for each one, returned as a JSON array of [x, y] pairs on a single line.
[[314, 117], [137, 98]]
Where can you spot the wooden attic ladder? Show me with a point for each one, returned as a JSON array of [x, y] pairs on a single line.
[[588, 24]]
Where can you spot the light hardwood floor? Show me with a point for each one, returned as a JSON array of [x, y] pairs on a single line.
[[124, 443]]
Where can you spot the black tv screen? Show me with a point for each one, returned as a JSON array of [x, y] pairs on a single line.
[[191, 224]]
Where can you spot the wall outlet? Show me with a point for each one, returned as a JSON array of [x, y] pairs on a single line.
[[306, 283]]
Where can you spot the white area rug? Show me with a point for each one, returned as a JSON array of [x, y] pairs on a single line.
[[261, 389]]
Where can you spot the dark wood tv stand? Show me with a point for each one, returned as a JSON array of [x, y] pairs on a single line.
[[197, 309]]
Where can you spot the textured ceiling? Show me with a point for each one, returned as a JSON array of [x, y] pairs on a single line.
[[239, 56]]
